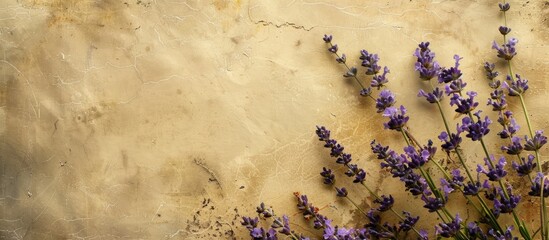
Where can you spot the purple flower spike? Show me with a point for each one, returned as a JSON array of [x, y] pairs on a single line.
[[515, 87], [249, 223], [508, 50], [433, 204], [504, 30], [262, 210], [454, 87], [464, 105], [432, 97], [397, 118], [536, 143], [504, 7], [514, 148], [369, 61], [475, 130], [322, 133], [471, 189], [416, 159], [328, 175], [381, 151], [365, 92], [451, 74], [507, 235], [506, 204], [510, 126], [351, 72], [386, 99], [327, 38], [408, 223], [344, 159], [333, 48], [457, 179], [414, 183], [497, 100], [286, 226], [490, 73], [385, 203], [450, 142], [425, 65], [494, 172], [475, 232], [341, 192], [527, 167], [341, 59], [360, 176], [535, 190], [450, 229], [379, 81]]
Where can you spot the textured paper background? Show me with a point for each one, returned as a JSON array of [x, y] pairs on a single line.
[[157, 119]]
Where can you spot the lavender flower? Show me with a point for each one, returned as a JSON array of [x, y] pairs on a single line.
[[494, 172], [360, 176], [433, 204], [366, 92], [514, 148], [457, 179], [497, 100], [341, 192], [328, 175], [506, 204], [504, 30], [249, 223], [506, 51], [333, 48], [369, 61], [515, 87], [471, 189], [266, 212], [341, 59], [351, 72], [507, 235], [414, 183], [379, 81], [396, 164], [464, 105], [504, 7], [397, 118], [473, 231], [450, 229], [381, 151], [535, 190], [432, 97], [475, 130], [454, 87], [527, 167], [535, 143], [286, 226], [416, 159], [425, 65], [385, 203], [322, 133], [490, 73], [344, 159], [386, 99], [510, 126], [451, 74], [408, 223], [327, 38], [451, 142]]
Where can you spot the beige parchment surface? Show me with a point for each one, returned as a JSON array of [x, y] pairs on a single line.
[[156, 119]]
